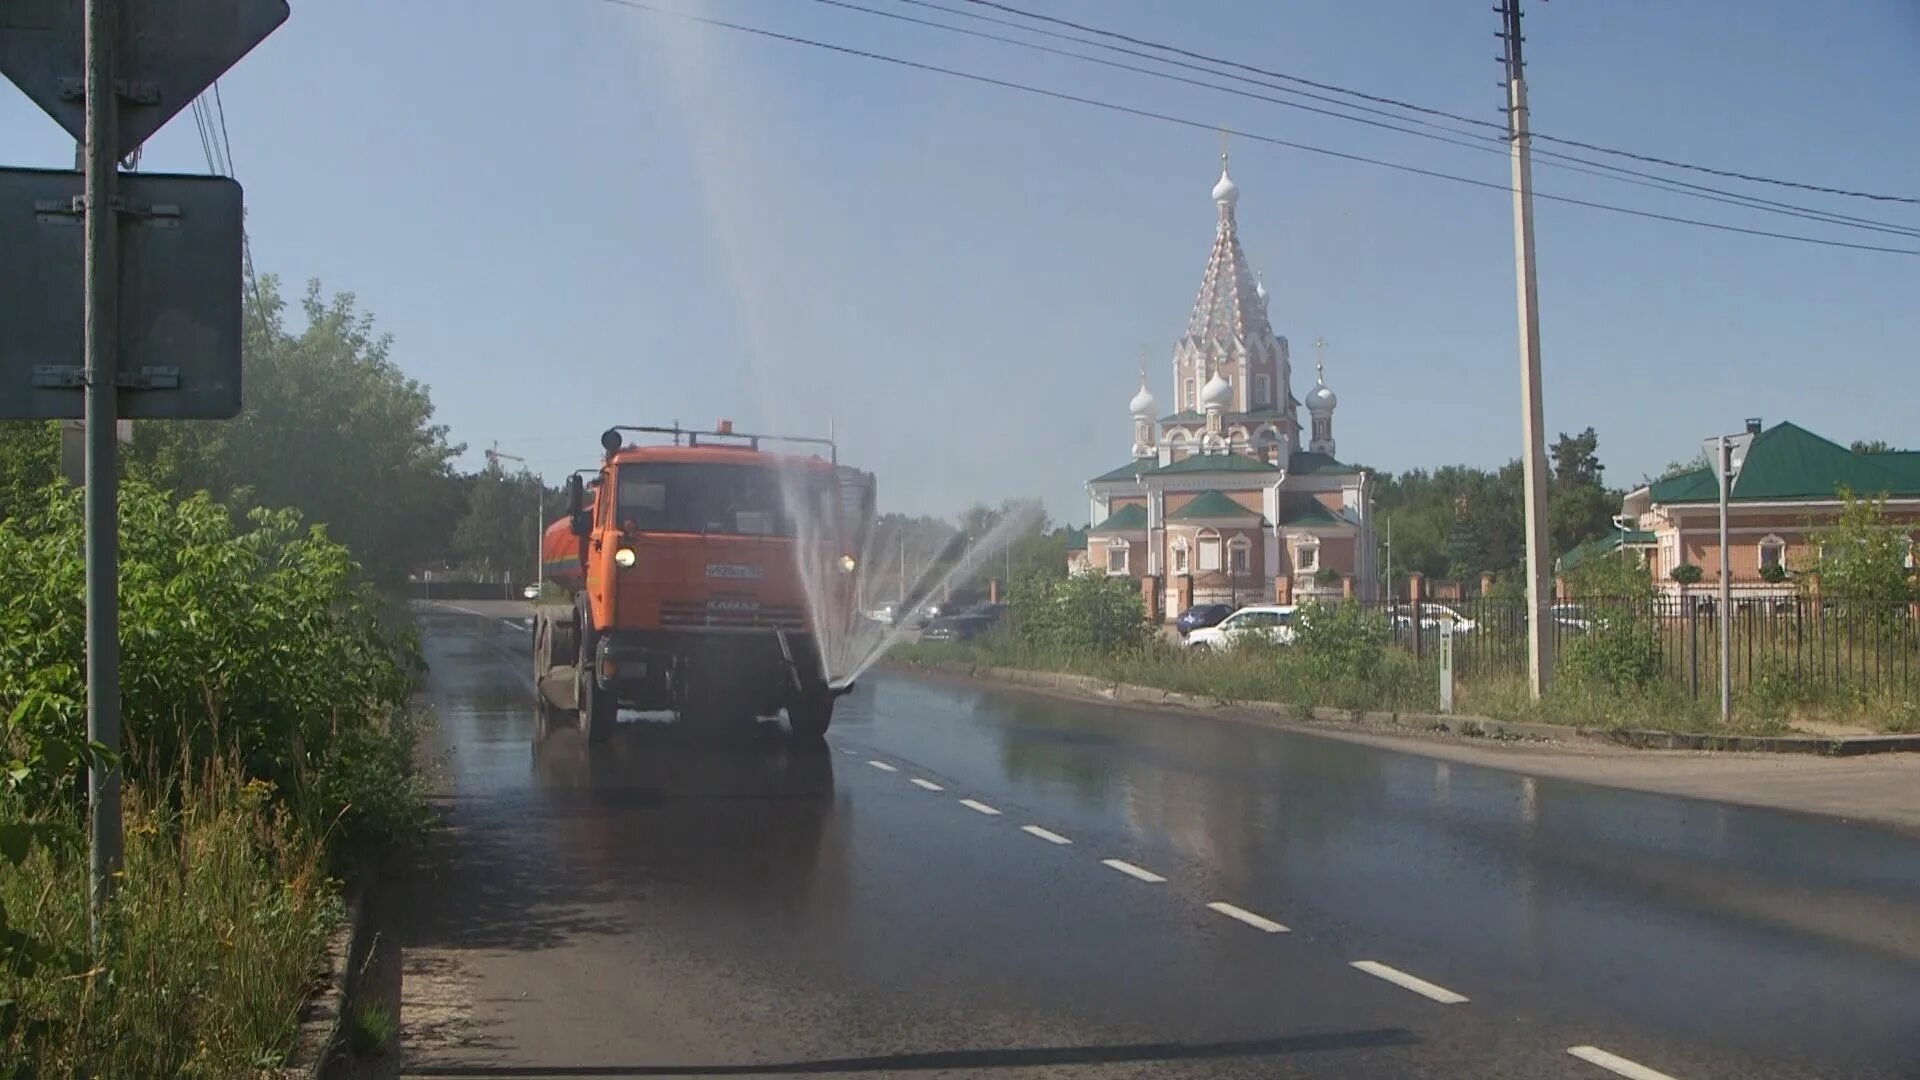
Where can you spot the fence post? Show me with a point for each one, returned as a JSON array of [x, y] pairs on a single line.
[[1414, 582], [1692, 608]]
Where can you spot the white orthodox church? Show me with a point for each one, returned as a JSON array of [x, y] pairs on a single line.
[[1227, 499]]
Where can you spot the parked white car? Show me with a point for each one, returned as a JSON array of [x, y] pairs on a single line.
[[1274, 622], [1432, 615]]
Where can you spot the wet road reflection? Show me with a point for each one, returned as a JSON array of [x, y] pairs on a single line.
[[667, 902]]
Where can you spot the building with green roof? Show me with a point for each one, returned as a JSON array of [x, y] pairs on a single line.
[[1227, 499], [1787, 481]]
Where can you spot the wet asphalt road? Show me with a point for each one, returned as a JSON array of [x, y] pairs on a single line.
[[677, 907]]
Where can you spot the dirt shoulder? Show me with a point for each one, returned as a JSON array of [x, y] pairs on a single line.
[[1882, 789]]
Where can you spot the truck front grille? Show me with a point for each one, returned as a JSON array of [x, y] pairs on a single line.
[[731, 615]]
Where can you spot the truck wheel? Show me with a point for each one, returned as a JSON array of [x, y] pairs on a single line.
[[809, 717], [598, 708]]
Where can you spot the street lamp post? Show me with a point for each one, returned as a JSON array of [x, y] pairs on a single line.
[[539, 515]]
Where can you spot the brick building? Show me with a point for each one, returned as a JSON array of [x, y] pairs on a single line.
[[1221, 501], [1786, 482]]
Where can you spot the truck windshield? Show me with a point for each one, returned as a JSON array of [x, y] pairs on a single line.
[[690, 497]]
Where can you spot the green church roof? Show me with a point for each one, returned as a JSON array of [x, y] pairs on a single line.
[[1129, 518], [1308, 511], [1210, 504]]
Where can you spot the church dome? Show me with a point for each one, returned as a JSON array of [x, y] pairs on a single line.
[[1226, 191], [1321, 399], [1217, 392], [1142, 404]]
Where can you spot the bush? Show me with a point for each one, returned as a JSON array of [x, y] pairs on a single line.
[[1340, 642], [1621, 651], [1685, 574], [1773, 573], [1082, 613], [215, 926], [254, 644]]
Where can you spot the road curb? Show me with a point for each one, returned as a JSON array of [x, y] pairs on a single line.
[[318, 1039], [1467, 726]]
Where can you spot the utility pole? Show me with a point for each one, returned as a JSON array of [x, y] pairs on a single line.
[[1532, 423], [102, 478], [1723, 468], [539, 512]]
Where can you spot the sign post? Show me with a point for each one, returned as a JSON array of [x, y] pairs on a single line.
[[1446, 666], [103, 488], [111, 72]]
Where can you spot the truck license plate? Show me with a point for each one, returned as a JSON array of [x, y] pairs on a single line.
[[732, 570]]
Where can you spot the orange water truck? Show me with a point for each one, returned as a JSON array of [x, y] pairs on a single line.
[[702, 569]]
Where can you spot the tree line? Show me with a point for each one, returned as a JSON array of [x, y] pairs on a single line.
[[1459, 521], [335, 428]]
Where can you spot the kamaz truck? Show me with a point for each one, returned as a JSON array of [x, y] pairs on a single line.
[[703, 569]]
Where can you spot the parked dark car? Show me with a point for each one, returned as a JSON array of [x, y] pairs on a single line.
[[965, 626], [1200, 616]]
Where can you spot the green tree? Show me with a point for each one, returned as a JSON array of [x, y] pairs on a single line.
[[1862, 556], [330, 426], [495, 536], [1872, 446], [1579, 506], [29, 461]]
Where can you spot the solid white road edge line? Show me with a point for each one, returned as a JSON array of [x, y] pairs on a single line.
[[928, 784], [1131, 870], [1048, 835], [883, 766], [1614, 1063], [1248, 917], [1408, 982], [979, 806]]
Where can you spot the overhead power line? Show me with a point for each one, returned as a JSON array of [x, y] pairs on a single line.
[[1647, 158], [1471, 140], [217, 145], [1188, 122]]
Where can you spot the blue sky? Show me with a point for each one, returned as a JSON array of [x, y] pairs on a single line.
[[571, 214]]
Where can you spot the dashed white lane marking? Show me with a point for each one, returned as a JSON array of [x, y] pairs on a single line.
[[882, 766], [1048, 835], [1614, 1063], [1131, 870], [979, 806], [928, 784], [1248, 917], [1408, 982]]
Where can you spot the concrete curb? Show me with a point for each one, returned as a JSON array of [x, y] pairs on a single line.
[[323, 1017], [1468, 726]]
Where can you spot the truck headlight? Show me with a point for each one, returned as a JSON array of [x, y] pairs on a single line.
[[847, 563], [623, 557]]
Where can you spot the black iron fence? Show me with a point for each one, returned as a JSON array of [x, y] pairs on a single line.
[[1798, 641]]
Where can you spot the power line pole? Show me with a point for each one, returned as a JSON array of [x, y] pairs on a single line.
[[1532, 423], [102, 486]]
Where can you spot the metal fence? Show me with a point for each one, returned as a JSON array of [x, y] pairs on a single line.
[[1806, 642]]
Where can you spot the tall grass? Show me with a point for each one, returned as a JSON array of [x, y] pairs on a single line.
[[210, 943], [1401, 682], [1253, 672]]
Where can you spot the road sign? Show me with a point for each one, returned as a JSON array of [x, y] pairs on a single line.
[[169, 51], [179, 296]]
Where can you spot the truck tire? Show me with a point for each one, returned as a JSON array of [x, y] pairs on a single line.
[[598, 708], [809, 716]]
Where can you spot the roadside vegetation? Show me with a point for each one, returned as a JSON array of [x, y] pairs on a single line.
[[266, 677], [1343, 655]]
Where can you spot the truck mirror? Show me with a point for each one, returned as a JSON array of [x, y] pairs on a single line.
[[581, 519]]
